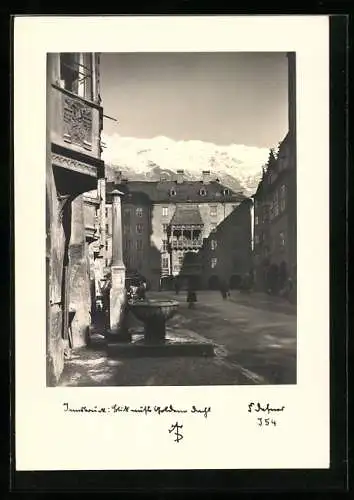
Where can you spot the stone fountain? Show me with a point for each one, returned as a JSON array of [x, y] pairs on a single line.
[[155, 341], [154, 314]]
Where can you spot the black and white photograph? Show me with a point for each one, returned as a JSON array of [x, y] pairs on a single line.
[[171, 218], [171, 189]]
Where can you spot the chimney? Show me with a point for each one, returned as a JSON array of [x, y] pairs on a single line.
[[292, 92], [180, 174], [206, 176]]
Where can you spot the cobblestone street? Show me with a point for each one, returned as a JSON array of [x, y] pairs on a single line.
[[254, 338]]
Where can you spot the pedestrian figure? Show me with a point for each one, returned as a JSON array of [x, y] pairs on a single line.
[[224, 290], [141, 291], [106, 290], [177, 287], [191, 296]]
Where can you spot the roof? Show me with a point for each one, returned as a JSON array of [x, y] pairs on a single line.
[[187, 215], [187, 191]]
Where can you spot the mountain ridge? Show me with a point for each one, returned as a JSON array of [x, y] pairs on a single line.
[[238, 167]]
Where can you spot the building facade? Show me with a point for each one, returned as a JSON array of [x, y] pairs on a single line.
[[165, 225], [226, 256], [275, 218], [73, 168]]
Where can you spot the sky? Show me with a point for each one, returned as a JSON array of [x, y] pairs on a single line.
[[222, 98]]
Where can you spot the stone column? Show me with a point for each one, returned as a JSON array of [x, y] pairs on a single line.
[[117, 293], [79, 280]]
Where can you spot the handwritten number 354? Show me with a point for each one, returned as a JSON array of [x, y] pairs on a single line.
[[266, 421]]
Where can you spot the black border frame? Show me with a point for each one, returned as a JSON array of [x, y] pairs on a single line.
[[333, 479]]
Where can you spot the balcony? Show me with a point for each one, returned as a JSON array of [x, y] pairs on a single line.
[[183, 244]]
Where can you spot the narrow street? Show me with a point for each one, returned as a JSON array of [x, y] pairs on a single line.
[[254, 338]]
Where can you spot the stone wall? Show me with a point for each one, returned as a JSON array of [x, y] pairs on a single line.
[[55, 254]]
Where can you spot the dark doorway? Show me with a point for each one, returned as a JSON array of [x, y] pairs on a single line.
[[214, 282], [235, 282]]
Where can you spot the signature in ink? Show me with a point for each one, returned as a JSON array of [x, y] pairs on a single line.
[[176, 428], [267, 408]]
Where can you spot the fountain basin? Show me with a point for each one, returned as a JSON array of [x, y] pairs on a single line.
[[154, 314]]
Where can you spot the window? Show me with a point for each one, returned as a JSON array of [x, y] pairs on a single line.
[[164, 228], [172, 192], [139, 244], [106, 212], [213, 210], [180, 260], [76, 73], [106, 246], [256, 220], [139, 212], [165, 262], [139, 228], [226, 192], [265, 213], [282, 239], [69, 71], [126, 229], [276, 204], [107, 228], [213, 227], [213, 244], [213, 262], [127, 213], [256, 239], [164, 211], [164, 246], [202, 192], [127, 244], [282, 198]]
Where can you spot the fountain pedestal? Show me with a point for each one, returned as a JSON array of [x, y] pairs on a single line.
[[155, 331]]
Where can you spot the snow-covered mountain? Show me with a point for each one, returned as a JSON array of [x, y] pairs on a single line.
[[238, 167]]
